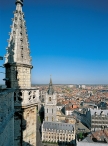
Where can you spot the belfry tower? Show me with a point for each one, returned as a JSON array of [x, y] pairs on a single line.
[[50, 104], [18, 78], [18, 61]]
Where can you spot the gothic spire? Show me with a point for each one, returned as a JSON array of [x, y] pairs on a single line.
[[50, 80], [18, 45], [50, 89], [18, 61]]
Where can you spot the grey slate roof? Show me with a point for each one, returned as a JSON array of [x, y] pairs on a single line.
[[59, 104], [98, 111], [91, 144], [58, 126], [87, 139]]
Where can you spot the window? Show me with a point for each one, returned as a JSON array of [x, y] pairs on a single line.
[[47, 118], [22, 55], [49, 98], [47, 110], [16, 74], [52, 118], [52, 110], [14, 98]]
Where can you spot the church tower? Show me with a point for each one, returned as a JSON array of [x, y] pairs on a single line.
[[50, 104], [18, 61], [18, 78]]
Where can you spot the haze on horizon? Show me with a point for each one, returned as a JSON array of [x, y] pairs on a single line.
[[68, 40]]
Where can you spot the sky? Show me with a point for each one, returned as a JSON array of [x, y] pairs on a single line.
[[68, 39]]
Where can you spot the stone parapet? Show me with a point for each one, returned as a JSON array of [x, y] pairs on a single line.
[[26, 97]]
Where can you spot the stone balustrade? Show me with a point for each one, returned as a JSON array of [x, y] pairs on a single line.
[[26, 97]]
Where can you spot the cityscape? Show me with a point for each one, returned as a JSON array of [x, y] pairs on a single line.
[[49, 111]]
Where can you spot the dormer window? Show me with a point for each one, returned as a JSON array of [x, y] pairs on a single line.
[[102, 114], [14, 32], [21, 33], [95, 113], [15, 18], [20, 12], [15, 25], [21, 25]]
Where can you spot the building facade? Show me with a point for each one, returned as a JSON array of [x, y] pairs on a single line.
[[99, 119], [58, 132]]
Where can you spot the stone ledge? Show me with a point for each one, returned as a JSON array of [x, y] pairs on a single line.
[[17, 64], [26, 106]]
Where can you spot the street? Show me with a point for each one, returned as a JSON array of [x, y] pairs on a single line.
[[38, 138]]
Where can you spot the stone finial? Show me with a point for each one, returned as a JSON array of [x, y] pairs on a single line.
[[19, 1]]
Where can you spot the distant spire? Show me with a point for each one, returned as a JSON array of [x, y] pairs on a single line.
[[19, 1], [50, 80], [50, 89]]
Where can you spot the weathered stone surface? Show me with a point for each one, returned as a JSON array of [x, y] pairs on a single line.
[[25, 126], [6, 118], [25, 104]]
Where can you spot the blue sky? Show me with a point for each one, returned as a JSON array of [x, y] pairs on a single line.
[[68, 39]]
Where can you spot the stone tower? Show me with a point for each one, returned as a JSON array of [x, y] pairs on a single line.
[[18, 61], [50, 104], [18, 77]]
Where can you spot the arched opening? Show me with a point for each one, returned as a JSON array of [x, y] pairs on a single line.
[[49, 98]]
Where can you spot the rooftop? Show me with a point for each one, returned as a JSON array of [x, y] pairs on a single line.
[[58, 126]]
